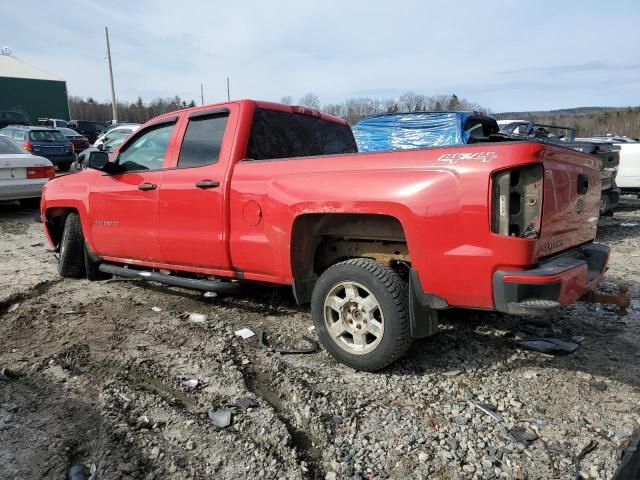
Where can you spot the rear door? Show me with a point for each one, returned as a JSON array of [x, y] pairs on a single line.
[[192, 194], [124, 206]]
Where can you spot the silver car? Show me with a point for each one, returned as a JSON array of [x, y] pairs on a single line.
[[22, 175]]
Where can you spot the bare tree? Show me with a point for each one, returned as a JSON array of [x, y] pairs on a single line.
[[310, 100], [412, 102], [287, 100]]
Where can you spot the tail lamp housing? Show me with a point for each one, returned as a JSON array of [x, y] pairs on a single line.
[[516, 198], [40, 172]]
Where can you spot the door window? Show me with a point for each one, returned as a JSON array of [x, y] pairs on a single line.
[[202, 141], [18, 135], [147, 150]]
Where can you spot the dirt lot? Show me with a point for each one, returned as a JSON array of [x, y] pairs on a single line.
[[95, 378]]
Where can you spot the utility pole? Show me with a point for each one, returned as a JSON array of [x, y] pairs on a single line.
[[228, 96], [202, 94], [114, 106]]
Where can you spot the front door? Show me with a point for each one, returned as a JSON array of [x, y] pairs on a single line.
[[192, 193], [124, 206]]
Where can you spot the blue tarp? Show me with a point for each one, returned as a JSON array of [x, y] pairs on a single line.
[[405, 131]]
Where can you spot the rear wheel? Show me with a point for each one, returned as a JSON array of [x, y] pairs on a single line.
[[64, 167], [71, 260], [360, 311]]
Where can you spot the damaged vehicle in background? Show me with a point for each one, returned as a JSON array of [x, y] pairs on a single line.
[[101, 152], [609, 154], [376, 242], [628, 176]]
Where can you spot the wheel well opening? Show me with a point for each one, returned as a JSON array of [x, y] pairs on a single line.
[[54, 222], [321, 240]]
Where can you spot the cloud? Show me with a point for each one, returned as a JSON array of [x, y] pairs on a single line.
[[593, 66], [335, 49]]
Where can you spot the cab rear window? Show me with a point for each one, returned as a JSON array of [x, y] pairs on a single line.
[[276, 134]]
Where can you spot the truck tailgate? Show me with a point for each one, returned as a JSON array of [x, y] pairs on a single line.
[[571, 201]]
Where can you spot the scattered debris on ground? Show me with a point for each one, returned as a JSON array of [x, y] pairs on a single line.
[[103, 387]]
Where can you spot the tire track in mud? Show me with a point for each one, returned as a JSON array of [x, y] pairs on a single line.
[[259, 380], [37, 290]]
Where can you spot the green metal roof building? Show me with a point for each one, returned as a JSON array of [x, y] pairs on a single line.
[[34, 92]]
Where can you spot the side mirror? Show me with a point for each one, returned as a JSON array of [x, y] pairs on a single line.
[[98, 160], [101, 146]]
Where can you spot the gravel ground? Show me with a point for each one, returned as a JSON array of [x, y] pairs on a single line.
[[98, 375]]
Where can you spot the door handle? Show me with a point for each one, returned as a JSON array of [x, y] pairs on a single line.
[[147, 186], [207, 184]]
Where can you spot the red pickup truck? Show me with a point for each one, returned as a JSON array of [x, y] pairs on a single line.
[[251, 191]]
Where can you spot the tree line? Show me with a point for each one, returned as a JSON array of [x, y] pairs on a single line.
[[588, 123], [352, 109], [355, 109], [138, 112]]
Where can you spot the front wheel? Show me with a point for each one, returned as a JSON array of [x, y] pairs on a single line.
[[71, 260], [361, 313]]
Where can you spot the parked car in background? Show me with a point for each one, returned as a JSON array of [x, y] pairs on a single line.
[[44, 141], [628, 177], [22, 175], [86, 156], [91, 130], [611, 139], [79, 142], [53, 122], [115, 132], [12, 118]]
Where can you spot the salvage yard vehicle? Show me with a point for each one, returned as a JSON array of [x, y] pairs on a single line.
[[12, 118], [628, 176], [44, 141], [53, 122], [116, 131], [22, 175], [378, 243], [78, 141], [89, 129]]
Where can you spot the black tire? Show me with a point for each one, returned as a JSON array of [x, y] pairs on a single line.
[[30, 202], [91, 266], [64, 167], [71, 260], [391, 293]]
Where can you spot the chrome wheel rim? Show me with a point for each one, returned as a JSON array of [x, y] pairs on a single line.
[[353, 317]]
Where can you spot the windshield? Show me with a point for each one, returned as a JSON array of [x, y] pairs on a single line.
[[122, 132], [114, 142], [8, 146], [12, 116], [46, 136]]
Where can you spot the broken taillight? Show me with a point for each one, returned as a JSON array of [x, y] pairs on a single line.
[[516, 197]]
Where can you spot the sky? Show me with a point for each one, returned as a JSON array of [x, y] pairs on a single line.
[[505, 55]]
